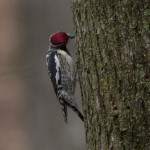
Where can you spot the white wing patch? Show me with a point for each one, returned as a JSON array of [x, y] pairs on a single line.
[[57, 68]]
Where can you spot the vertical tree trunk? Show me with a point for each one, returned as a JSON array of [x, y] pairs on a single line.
[[114, 70]]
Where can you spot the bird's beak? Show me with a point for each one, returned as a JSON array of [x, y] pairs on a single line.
[[71, 36]]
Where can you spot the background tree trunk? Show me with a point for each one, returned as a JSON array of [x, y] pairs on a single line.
[[114, 70]]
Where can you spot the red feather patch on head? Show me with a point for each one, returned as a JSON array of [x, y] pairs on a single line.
[[59, 38]]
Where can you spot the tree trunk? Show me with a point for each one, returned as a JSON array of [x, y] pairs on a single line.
[[114, 72]]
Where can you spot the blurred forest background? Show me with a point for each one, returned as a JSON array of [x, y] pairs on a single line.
[[30, 115]]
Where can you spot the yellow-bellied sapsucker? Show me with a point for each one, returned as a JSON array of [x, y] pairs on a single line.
[[61, 68]]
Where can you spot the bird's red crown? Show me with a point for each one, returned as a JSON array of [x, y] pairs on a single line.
[[59, 38]]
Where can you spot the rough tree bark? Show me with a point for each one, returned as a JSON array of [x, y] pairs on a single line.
[[114, 72]]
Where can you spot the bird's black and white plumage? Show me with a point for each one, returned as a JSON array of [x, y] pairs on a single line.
[[61, 69]]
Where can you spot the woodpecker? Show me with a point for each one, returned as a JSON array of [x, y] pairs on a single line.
[[61, 69]]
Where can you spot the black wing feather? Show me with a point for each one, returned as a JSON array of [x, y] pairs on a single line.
[[55, 73]]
